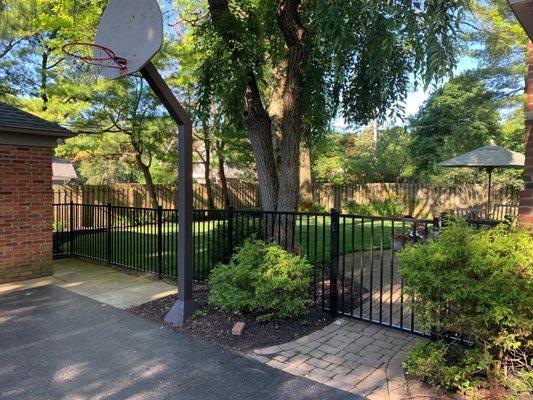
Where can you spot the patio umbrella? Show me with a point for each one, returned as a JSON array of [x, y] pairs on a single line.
[[487, 157]]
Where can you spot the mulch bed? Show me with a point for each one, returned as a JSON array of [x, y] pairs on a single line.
[[214, 326]]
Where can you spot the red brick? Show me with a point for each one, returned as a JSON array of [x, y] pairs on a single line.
[[25, 212]]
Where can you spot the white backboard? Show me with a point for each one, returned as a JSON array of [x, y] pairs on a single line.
[[132, 29]]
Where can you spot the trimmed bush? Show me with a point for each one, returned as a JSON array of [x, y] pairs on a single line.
[[264, 280], [476, 285]]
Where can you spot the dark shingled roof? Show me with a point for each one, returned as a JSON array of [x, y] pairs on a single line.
[[14, 120]]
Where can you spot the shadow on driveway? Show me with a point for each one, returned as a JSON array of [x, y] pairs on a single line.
[[55, 344]]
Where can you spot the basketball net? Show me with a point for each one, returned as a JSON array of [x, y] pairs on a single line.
[[86, 61]]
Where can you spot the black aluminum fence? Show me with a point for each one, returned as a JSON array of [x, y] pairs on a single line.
[[355, 261]]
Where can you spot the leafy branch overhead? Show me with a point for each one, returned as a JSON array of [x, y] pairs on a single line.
[[290, 67]]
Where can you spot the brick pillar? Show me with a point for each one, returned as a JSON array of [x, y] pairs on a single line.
[[25, 212]]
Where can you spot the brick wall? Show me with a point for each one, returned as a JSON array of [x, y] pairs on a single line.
[[25, 212], [526, 197]]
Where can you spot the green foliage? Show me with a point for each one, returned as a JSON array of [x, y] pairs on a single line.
[[477, 284], [384, 208], [355, 158], [264, 280], [309, 206], [449, 366], [499, 44], [360, 72], [243, 229], [457, 118], [129, 133]]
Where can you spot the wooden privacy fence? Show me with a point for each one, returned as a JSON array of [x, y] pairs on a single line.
[[417, 200], [242, 195]]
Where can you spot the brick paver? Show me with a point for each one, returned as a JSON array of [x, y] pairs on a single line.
[[349, 355]]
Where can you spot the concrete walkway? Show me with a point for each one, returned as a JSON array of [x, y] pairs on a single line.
[[354, 356], [55, 344], [98, 282]]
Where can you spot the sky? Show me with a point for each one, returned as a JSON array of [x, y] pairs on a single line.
[[415, 99]]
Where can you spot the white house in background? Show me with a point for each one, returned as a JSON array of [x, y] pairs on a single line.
[[62, 171], [198, 173]]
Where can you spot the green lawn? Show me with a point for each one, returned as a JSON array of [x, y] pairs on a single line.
[[137, 247]]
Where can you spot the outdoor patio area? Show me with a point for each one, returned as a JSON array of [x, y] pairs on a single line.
[[98, 282], [353, 356]]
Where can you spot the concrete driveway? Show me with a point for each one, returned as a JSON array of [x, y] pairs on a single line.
[[55, 344], [98, 282]]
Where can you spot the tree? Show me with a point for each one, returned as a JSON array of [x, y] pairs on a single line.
[[499, 44], [457, 118], [34, 67], [388, 160], [301, 54], [355, 158], [128, 127]]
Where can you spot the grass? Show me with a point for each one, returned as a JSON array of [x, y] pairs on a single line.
[[137, 247]]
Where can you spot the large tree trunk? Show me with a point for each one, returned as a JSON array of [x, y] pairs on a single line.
[[207, 170], [258, 123], [145, 169], [275, 107], [306, 179], [222, 175], [294, 34]]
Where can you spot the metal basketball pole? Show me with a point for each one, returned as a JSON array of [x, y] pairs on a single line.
[[184, 306]]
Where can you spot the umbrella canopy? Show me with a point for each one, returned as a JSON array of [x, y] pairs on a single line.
[[490, 156]]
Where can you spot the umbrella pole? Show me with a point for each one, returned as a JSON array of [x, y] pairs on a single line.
[[489, 171]]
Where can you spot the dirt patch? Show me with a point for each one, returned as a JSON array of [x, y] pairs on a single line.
[[348, 289], [214, 326]]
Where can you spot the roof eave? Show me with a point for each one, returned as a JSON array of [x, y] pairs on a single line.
[[36, 131]]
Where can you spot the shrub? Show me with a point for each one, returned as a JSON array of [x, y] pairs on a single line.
[[389, 208], [243, 228], [386, 208], [263, 280], [352, 207], [309, 206], [445, 365], [477, 285]]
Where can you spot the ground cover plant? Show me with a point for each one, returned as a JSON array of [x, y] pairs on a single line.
[[264, 280], [476, 285]]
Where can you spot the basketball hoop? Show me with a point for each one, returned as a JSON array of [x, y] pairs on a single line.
[[94, 56]]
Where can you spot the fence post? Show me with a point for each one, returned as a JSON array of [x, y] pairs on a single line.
[[230, 233], [159, 241], [70, 225], [334, 262], [109, 232]]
